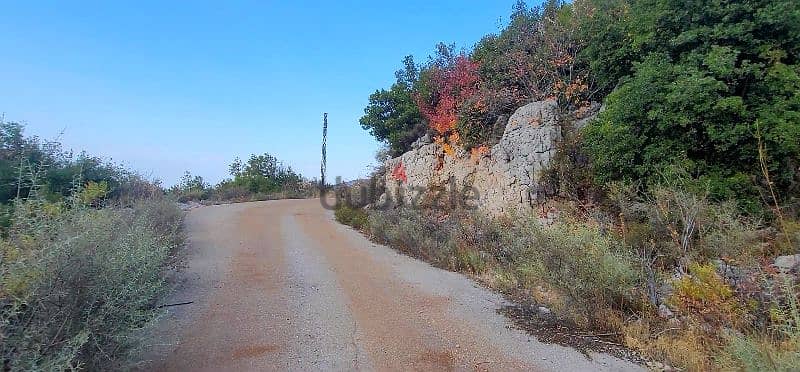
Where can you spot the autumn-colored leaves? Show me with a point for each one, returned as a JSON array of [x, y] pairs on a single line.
[[452, 87]]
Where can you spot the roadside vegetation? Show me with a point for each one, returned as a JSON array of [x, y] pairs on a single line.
[[671, 206], [84, 247], [262, 177]]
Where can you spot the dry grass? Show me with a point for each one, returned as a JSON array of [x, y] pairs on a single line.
[[606, 268]]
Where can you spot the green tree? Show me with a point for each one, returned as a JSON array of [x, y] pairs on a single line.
[[392, 116], [190, 182], [25, 161], [264, 174], [693, 79]]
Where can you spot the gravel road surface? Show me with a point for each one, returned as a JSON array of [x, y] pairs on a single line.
[[279, 285]]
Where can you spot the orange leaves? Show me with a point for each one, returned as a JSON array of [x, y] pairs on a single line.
[[441, 118], [454, 138], [449, 150], [446, 147], [399, 172], [563, 60], [453, 86], [448, 143], [476, 153]]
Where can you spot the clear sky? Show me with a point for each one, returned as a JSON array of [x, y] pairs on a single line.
[[167, 86]]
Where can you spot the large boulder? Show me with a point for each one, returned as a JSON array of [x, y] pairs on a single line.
[[501, 180]]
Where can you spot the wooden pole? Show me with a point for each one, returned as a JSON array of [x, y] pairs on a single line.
[[324, 164]]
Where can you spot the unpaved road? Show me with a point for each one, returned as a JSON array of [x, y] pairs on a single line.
[[280, 285]]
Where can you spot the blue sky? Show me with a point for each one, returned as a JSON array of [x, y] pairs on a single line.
[[164, 87]]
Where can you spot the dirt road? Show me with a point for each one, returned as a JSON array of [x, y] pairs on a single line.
[[280, 285]]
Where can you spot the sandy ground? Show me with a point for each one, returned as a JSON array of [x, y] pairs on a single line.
[[279, 285]]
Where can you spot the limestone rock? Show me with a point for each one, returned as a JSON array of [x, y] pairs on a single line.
[[506, 179]]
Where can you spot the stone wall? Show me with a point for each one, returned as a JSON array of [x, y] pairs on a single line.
[[504, 179]]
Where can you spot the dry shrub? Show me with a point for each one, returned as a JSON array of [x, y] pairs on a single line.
[[788, 239], [476, 240], [778, 348], [232, 193], [590, 268], [705, 294], [681, 347], [79, 283], [499, 279], [687, 350], [602, 274], [680, 225], [413, 233]]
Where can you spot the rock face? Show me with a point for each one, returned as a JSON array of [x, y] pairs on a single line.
[[501, 180]]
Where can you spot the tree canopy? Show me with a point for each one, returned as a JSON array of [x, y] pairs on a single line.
[[699, 84], [710, 86]]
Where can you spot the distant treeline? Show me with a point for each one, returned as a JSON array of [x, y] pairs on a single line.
[[29, 164], [262, 177]]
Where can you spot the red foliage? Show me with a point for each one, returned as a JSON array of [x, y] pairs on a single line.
[[399, 172], [453, 87]]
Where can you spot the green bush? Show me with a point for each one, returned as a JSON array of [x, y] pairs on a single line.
[[593, 270], [28, 163], [413, 233], [696, 84], [78, 284], [355, 217]]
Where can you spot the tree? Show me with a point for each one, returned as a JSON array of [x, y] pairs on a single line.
[[189, 182], [452, 84], [263, 174], [704, 79], [236, 167], [392, 116], [533, 58]]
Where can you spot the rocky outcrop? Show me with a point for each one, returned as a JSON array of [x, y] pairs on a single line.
[[503, 179]]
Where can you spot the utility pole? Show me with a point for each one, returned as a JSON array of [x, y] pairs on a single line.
[[324, 164]]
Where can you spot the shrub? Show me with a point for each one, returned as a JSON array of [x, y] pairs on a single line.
[[685, 94], [262, 177], [29, 163], [94, 192], [231, 192], [676, 222], [593, 270], [355, 217], [78, 284], [776, 351], [414, 233], [705, 294]]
